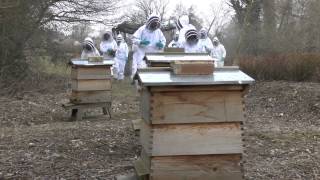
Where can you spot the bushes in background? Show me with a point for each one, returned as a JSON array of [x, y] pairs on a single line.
[[291, 67]]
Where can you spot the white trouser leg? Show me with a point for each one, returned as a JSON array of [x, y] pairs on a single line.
[[137, 62], [121, 66], [134, 67], [115, 69]]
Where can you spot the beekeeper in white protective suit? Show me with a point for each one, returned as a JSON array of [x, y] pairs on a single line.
[[183, 25], [218, 52], [89, 49], [191, 44], [121, 56], [108, 47], [147, 39], [174, 43], [205, 41]]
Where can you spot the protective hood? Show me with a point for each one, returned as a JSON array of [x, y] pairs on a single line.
[[203, 33], [119, 37], [109, 32], [191, 32], [154, 18], [215, 39], [89, 40], [88, 44], [184, 20]]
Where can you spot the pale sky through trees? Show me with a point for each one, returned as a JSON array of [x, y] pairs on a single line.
[[203, 8]]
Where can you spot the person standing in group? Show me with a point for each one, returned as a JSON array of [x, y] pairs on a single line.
[[89, 49], [121, 56], [205, 41], [108, 47], [218, 52], [147, 39], [183, 24], [174, 43], [191, 44]]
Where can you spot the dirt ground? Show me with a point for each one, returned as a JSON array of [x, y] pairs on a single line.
[[38, 142]]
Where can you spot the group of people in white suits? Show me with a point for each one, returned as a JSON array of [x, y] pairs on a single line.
[[194, 41], [150, 39], [112, 49]]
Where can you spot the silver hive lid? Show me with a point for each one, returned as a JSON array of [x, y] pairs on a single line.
[[221, 76]]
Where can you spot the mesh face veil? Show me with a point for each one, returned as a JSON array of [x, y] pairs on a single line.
[[192, 37], [153, 23]]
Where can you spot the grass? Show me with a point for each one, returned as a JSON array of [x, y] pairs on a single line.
[[43, 64]]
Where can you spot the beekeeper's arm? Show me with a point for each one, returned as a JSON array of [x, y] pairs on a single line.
[[224, 52], [103, 47]]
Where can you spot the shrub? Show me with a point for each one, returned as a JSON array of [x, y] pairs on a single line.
[[292, 67]]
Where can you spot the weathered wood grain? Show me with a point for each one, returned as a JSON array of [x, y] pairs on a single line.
[[91, 85], [207, 167], [191, 139], [90, 96], [196, 107], [192, 67], [91, 73]]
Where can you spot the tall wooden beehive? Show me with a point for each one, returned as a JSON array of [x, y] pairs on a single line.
[[191, 126]]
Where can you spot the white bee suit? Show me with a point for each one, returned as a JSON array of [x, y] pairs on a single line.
[[105, 47], [121, 59], [144, 34], [93, 53], [110, 44], [219, 53], [194, 47], [184, 26], [197, 48]]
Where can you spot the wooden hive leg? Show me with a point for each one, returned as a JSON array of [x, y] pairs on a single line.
[[106, 110], [73, 114], [79, 115]]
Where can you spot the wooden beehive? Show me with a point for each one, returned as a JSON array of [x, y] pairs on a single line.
[[192, 125], [192, 67], [164, 59], [91, 82]]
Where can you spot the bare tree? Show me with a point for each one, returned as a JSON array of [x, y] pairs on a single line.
[[26, 18], [218, 19]]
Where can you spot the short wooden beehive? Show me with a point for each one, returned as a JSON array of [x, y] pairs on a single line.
[[91, 82], [192, 125]]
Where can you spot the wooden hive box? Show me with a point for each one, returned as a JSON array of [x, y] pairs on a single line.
[[91, 82], [164, 59], [192, 127], [192, 67]]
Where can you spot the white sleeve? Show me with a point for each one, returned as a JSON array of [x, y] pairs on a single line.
[[114, 44], [181, 36], [97, 53], [127, 50], [170, 44], [224, 52], [136, 39], [162, 38], [84, 55], [209, 44], [103, 48]]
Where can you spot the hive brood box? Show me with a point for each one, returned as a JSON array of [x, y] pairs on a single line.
[[91, 82], [164, 59], [192, 125]]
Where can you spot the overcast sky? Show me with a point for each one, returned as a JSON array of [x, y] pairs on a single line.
[[203, 8]]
